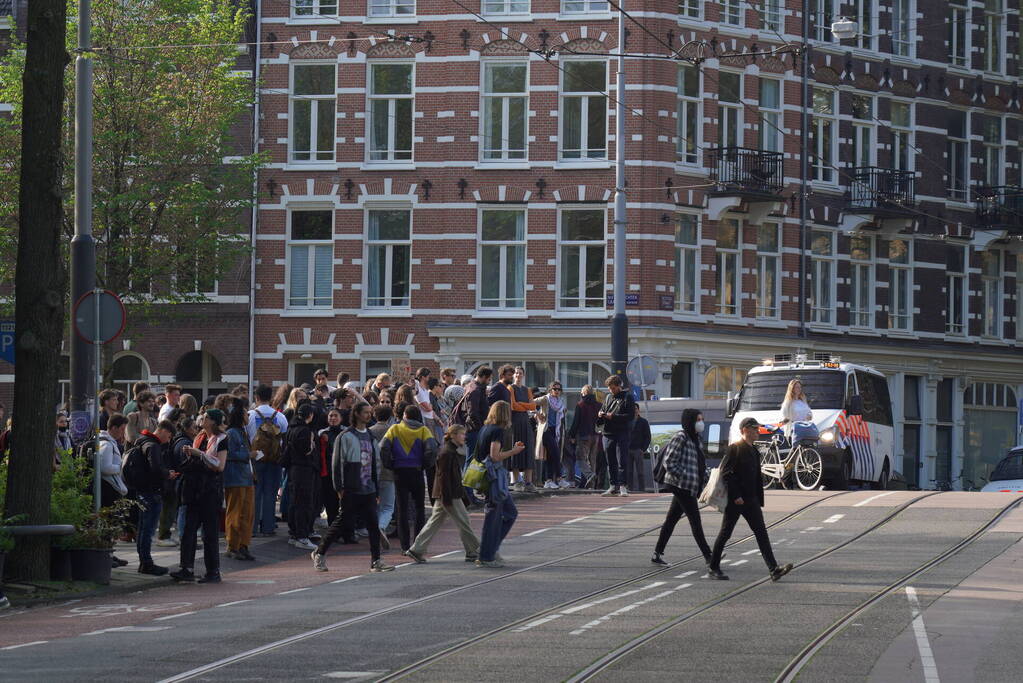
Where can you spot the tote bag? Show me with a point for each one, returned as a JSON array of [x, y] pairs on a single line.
[[714, 493]]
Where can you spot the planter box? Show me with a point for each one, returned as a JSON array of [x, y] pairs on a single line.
[[60, 564], [90, 565]]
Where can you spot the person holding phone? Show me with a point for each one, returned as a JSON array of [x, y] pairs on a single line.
[[493, 448]]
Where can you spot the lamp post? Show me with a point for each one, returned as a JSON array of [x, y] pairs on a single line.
[[620, 323]]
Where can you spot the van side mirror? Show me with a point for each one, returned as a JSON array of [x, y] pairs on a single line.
[[733, 406], [855, 406]]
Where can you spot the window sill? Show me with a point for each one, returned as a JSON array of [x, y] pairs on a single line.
[[308, 166], [575, 165], [308, 313], [384, 313], [316, 19], [734, 321], [956, 337], [690, 169], [581, 315], [774, 323], [490, 314], [585, 16], [901, 334], [487, 18], [992, 341], [387, 166], [864, 331], [823, 328], [390, 20], [502, 166], [688, 317]]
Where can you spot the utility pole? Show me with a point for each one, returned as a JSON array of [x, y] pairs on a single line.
[[620, 323], [84, 355], [804, 165]]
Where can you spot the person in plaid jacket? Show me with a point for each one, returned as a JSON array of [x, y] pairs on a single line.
[[683, 469]]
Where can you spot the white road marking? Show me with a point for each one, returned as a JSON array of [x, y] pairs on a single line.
[[255, 581], [453, 552], [538, 622], [811, 528], [128, 629], [15, 647], [752, 552], [236, 602], [350, 578], [628, 608], [536, 533], [174, 616], [685, 574], [867, 500], [833, 518], [736, 563], [352, 675], [644, 500], [294, 590], [922, 643], [580, 608], [577, 519], [403, 564], [611, 509]]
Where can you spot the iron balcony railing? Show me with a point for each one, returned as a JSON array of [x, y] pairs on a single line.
[[738, 170], [882, 190], [1001, 207]]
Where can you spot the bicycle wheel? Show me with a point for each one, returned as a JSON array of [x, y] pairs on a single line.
[[770, 467], [809, 469]]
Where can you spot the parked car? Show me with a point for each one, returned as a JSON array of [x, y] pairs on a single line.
[[1007, 476]]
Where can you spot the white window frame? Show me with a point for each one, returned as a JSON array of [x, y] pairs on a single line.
[[1019, 296], [861, 312], [690, 9], [772, 118], [957, 295], [683, 272], [587, 99], [903, 30], [314, 117], [504, 8], [865, 14], [824, 13], [994, 36], [391, 154], [993, 153], [825, 153], [389, 245], [379, 9], [732, 12], [311, 246], [316, 8], [821, 286], [506, 248], [731, 124], [957, 158], [772, 15], [688, 108], [992, 315], [903, 142], [864, 147], [769, 262], [580, 276], [723, 255], [904, 271], [505, 153], [577, 7], [959, 45]]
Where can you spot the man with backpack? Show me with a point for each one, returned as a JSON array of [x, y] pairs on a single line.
[[265, 429], [145, 471]]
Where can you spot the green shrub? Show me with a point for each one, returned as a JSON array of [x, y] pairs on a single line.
[[69, 502]]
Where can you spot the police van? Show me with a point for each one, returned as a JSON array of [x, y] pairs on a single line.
[[851, 407]]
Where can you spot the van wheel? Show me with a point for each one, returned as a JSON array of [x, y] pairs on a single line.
[[882, 482], [844, 476]]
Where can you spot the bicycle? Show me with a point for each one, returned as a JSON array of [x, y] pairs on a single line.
[[778, 460]]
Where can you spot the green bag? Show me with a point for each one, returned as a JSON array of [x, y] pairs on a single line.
[[476, 477]]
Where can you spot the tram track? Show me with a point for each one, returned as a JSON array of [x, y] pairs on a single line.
[[604, 663], [460, 647]]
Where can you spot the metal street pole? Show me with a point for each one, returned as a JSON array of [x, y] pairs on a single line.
[[620, 324], [83, 247], [804, 165]]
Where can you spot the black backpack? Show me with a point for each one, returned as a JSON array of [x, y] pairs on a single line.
[[135, 467]]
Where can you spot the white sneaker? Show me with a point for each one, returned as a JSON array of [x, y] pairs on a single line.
[[319, 561], [305, 544], [550, 485], [612, 491], [519, 487], [292, 541], [563, 484], [166, 543], [623, 492]]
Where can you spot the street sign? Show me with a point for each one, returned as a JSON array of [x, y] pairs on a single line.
[[642, 371], [7, 341], [108, 310], [630, 299]]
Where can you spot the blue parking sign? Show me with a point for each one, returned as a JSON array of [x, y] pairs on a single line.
[[7, 341]]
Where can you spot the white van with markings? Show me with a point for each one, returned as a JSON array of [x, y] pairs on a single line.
[[851, 407]]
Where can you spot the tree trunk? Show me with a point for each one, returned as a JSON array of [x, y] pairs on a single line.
[[40, 283]]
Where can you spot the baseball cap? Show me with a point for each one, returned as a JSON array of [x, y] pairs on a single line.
[[749, 422]]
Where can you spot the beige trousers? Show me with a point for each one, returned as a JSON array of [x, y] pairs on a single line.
[[458, 514]]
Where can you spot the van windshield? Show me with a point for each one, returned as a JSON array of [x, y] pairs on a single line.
[[1010, 467], [766, 390]]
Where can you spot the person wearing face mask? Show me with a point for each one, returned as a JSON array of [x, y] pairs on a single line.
[[684, 476]]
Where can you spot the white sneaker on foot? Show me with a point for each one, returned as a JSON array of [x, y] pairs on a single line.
[[623, 492], [612, 491], [563, 484], [319, 561], [166, 543], [379, 566], [304, 544]]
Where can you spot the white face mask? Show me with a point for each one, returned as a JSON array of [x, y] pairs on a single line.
[[699, 427]]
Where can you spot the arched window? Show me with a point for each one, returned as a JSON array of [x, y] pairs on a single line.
[[989, 410], [199, 374], [127, 369]]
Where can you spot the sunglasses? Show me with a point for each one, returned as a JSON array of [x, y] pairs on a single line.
[[555, 388]]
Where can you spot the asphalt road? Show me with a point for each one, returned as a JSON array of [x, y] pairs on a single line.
[[578, 585]]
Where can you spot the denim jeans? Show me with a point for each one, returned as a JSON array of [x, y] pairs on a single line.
[[386, 503], [616, 448], [149, 518], [268, 480], [497, 522]]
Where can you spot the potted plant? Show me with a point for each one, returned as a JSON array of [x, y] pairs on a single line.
[[68, 505]]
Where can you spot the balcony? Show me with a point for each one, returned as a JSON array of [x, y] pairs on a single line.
[[749, 179], [1000, 209], [880, 199]]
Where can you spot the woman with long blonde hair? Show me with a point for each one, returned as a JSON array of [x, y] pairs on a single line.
[[795, 407]]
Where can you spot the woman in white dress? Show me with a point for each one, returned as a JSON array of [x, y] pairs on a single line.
[[794, 408]]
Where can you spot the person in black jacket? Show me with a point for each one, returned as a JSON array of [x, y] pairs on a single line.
[[302, 460], [740, 469], [583, 435], [614, 421], [639, 444], [149, 490]]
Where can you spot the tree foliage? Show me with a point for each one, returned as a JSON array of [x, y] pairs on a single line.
[[170, 185]]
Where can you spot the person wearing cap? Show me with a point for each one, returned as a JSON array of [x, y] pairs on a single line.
[[740, 469]]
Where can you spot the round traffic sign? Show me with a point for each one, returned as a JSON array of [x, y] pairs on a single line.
[[111, 319], [642, 371]]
